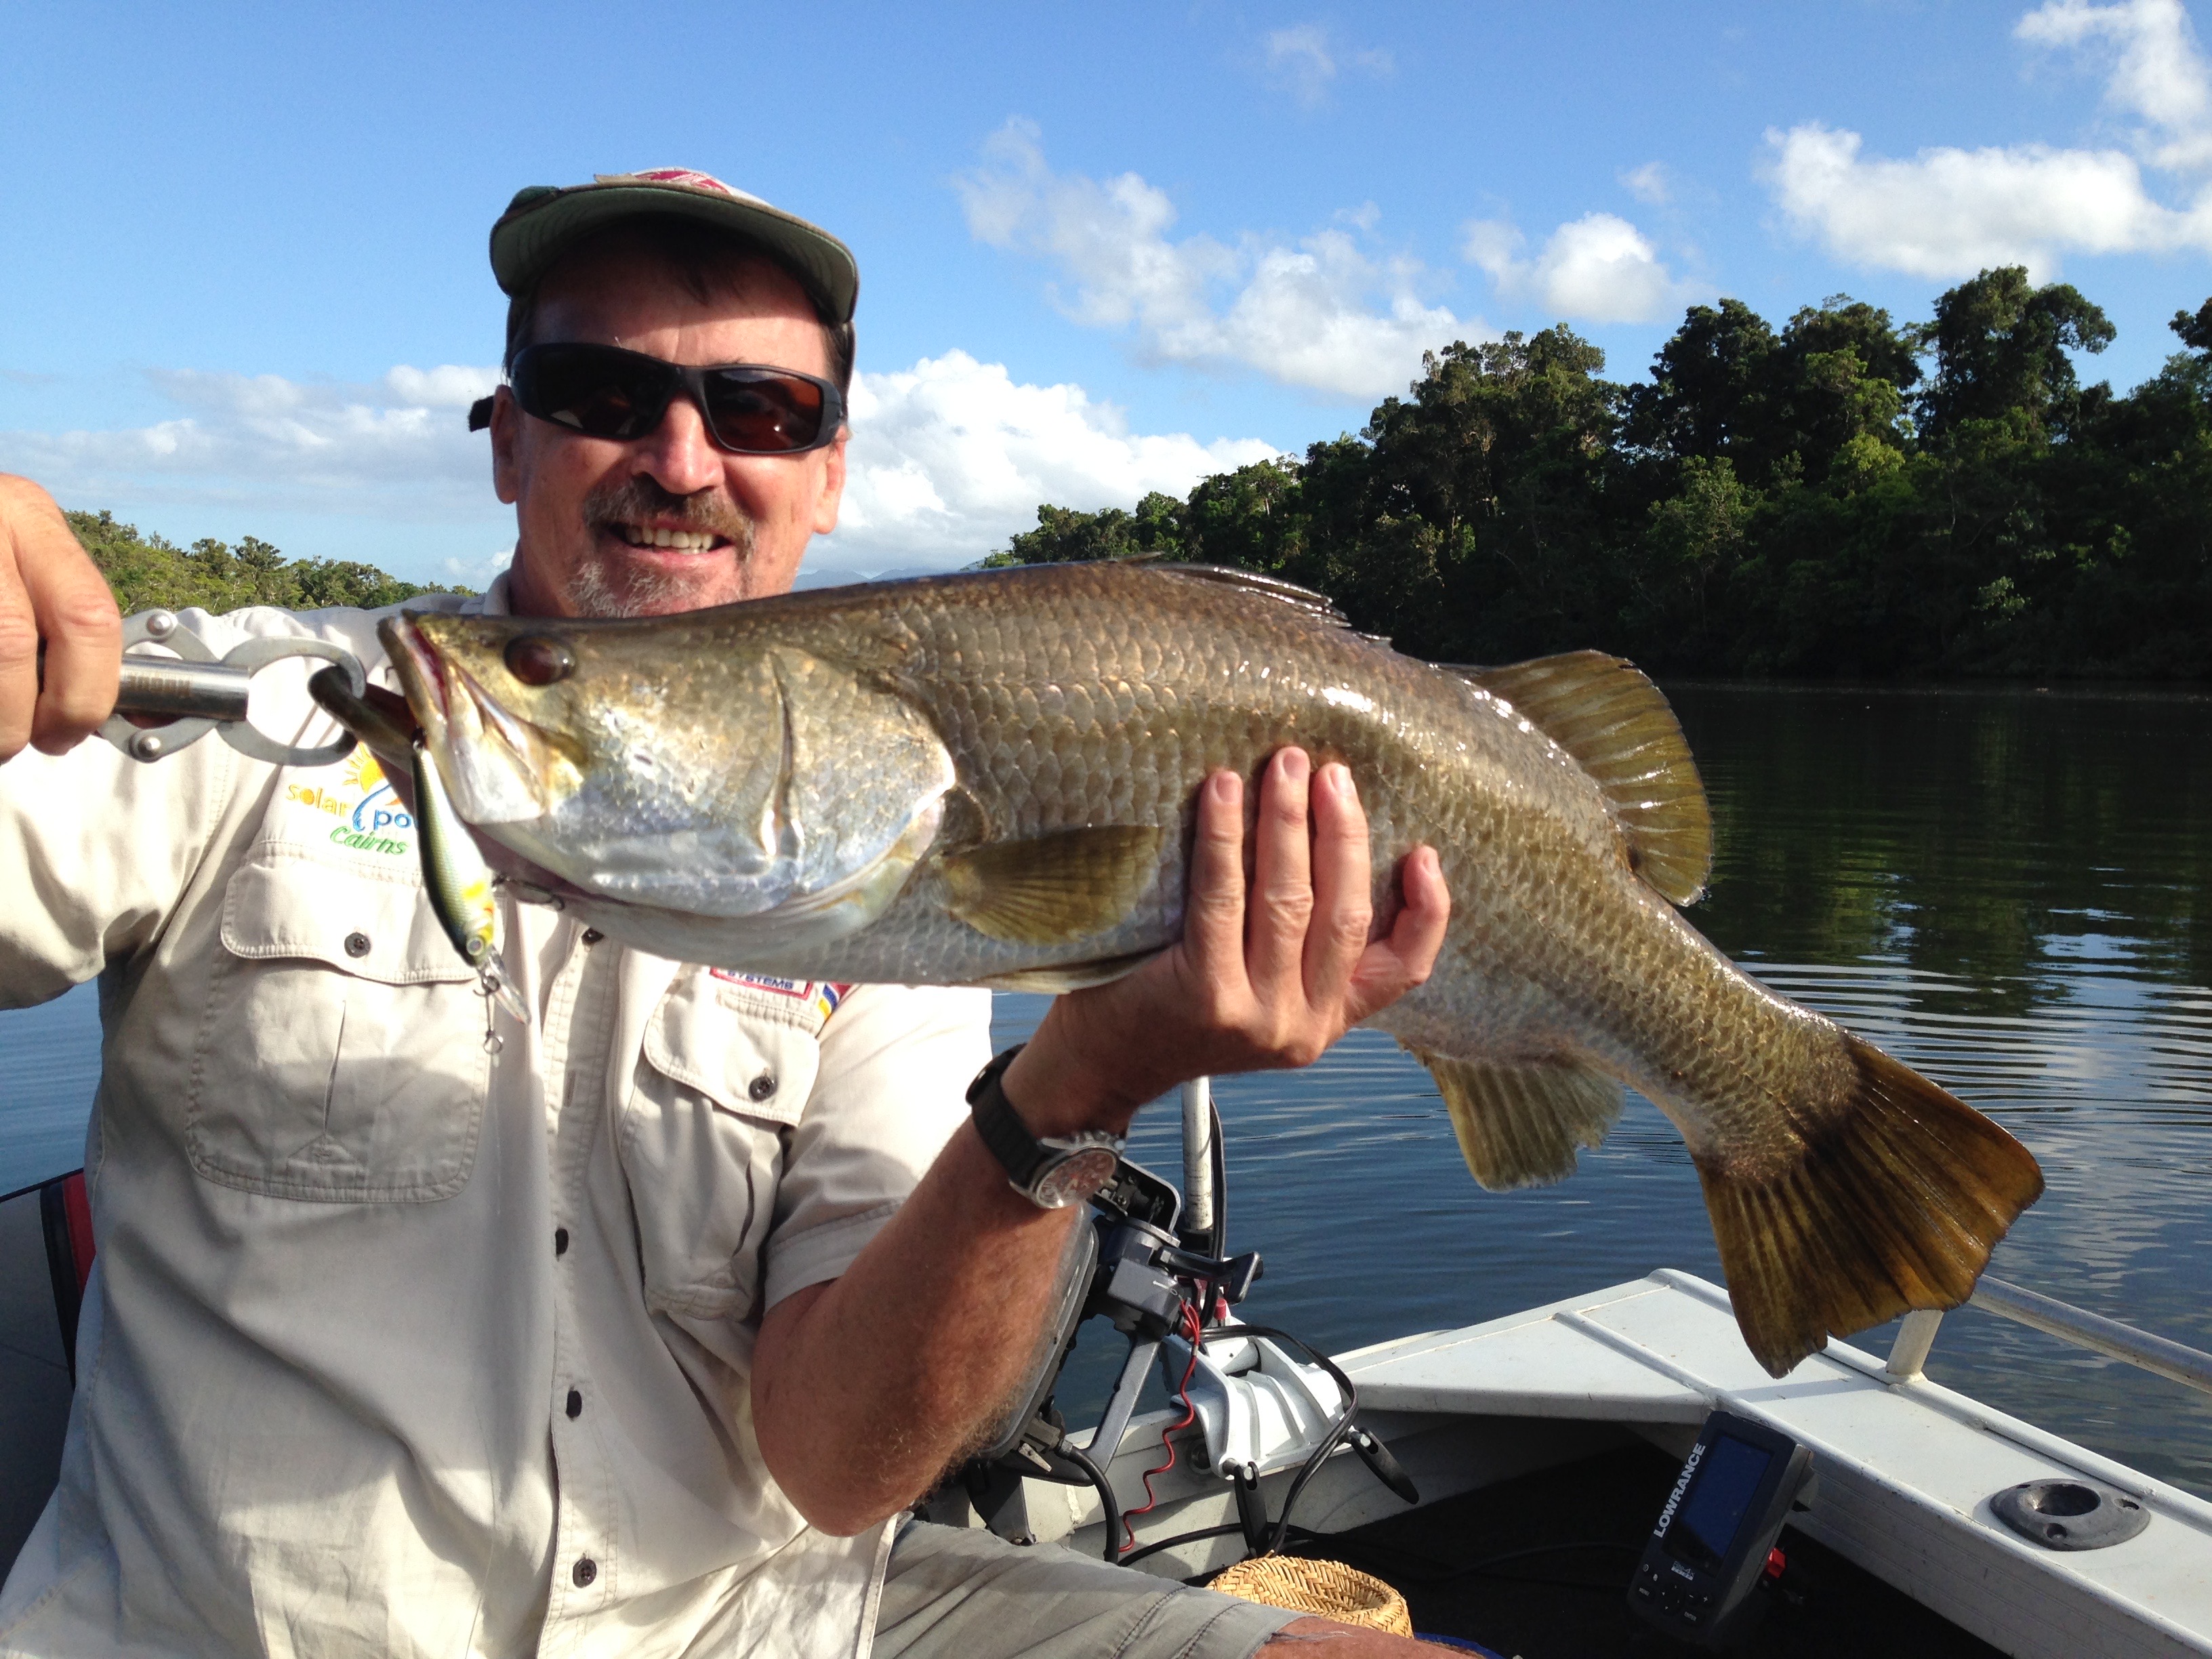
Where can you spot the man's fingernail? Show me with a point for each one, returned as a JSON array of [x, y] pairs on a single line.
[[1297, 764], [1226, 788], [1339, 778]]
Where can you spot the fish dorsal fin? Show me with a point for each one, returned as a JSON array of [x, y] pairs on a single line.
[[1519, 1125], [1617, 725], [1319, 606]]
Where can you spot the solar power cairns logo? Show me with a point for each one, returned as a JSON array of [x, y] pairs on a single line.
[[368, 816]]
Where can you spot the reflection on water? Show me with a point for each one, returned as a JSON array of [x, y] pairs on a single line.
[[2007, 889]]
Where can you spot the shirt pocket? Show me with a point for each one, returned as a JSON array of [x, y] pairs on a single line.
[[342, 1057], [717, 1087]]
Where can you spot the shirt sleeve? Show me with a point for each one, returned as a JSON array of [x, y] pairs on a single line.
[[94, 850], [892, 1087]]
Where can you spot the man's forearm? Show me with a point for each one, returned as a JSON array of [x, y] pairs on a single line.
[[864, 1389]]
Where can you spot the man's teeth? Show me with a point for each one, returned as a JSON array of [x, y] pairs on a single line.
[[684, 541]]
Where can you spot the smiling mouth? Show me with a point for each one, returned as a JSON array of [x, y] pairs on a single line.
[[678, 541]]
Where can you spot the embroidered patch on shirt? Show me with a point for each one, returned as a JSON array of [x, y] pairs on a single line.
[[824, 994], [366, 816]]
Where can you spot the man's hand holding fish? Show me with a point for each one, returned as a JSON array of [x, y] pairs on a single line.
[[1263, 977]]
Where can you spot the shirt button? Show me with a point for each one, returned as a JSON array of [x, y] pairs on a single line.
[[592, 936], [357, 944], [560, 1241], [584, 1571], [575, 1403], [762, 1086]]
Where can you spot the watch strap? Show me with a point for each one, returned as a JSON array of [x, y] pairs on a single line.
[[1018, 1151]]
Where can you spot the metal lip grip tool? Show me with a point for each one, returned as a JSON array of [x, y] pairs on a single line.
[[1716, 1536], [202, 694]]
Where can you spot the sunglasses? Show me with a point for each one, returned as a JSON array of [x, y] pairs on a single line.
[[606, 392]]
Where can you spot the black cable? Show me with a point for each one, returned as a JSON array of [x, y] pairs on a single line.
[[1405, 1566], [1330, 1441], [1217, 1157], [1104, 1487], [1155, 1547], [1490, 1561]]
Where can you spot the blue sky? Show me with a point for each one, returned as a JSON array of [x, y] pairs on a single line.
[[1104, 249]]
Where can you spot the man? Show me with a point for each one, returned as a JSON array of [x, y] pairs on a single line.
[[638, 1335]]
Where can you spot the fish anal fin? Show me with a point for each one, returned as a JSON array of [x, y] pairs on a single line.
[[1521, 1124], [1895, 1203], [1051, 889], [1617, 727]]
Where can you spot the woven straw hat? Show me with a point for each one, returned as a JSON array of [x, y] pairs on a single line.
[[1326, 1588]]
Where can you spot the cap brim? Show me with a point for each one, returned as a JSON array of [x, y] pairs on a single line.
[[525, 244]]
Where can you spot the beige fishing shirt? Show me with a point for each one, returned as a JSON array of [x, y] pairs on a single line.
[[394, 1346]]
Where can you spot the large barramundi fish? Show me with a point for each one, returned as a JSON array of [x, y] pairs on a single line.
[[992, 777]]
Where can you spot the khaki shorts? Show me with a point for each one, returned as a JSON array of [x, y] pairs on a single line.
[[963, 1593]]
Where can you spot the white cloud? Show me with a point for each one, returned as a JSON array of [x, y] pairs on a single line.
[[2158, 73], [1649, 183], [950, 457], [1598, 269], [1322, 313], [1947, 212], [1302, 60], [477, 574], [1299, 59], [397, 447]]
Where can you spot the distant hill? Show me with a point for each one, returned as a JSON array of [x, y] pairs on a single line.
[[146, 571]]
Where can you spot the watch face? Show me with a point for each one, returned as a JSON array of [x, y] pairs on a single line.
[[1075, 1178]]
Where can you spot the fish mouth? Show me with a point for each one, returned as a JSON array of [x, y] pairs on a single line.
[[495, 763]]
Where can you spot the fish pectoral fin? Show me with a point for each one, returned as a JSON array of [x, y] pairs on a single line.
[[1053, 888], [1520, 1125], [1894, 1202], [1072, 975], [1619, 728]]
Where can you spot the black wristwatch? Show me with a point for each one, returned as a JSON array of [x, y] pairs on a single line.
[[1052, 1172]]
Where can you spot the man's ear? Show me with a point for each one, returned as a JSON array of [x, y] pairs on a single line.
[[505, 436], [833, 483]]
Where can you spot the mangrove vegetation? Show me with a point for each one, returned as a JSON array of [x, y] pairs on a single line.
[[1842, 496]]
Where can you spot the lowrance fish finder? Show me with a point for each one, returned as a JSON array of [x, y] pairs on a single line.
[[1711, 1543]]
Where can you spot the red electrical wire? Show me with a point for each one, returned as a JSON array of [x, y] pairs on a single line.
[[1191, 1332]]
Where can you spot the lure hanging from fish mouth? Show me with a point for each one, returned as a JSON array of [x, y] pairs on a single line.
[[461, 886], [458, 881]]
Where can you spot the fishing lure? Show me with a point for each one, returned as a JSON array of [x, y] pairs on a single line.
[[459, 883]]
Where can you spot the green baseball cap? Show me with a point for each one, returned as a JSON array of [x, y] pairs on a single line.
[[543, 220]]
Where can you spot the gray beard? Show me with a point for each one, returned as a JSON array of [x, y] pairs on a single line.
[[595, 591]]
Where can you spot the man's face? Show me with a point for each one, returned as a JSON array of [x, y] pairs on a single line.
[[587, 509]]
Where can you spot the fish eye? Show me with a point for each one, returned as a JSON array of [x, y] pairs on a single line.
[[536, 660]]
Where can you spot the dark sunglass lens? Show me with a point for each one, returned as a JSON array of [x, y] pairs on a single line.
[[603, 393], [763, 414]]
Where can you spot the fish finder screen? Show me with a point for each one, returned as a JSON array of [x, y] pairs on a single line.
[[1727, 1480]]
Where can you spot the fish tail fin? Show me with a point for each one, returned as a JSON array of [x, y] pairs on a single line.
[[1895, 1204]]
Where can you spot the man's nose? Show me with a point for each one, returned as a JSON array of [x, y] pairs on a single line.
[[678, 454]]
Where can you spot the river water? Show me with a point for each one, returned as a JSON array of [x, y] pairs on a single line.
[[2010, 889]]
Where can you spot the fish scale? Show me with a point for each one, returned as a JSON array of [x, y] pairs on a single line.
[[992, 778]]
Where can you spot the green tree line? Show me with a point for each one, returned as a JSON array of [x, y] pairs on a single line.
[[146, 571], [1842, 496]]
